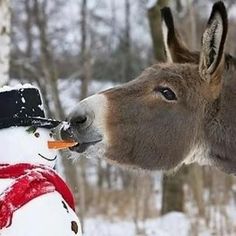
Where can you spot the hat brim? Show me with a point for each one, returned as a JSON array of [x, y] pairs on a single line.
[[29, 121]]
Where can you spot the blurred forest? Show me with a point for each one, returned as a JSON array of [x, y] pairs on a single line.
[[111, 41]]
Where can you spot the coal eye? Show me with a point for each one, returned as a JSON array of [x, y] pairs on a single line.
[[167, 93], [36, 134], [50, 134]]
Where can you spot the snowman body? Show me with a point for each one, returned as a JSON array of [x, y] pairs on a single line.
[[48, 214]]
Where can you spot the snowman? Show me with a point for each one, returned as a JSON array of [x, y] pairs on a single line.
[[34, 200]]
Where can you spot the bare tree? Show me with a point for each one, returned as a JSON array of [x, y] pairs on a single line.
[[47, 61], [196, 183], [193, 26], [4, 40], [172, 193], [154, 18], [84, 55], [127, 44], [28, 27], [85, 77]]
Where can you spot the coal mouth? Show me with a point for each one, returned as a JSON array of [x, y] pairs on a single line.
[[82, 147], [48, 159]]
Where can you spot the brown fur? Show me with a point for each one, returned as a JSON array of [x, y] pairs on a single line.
[[143, 129]]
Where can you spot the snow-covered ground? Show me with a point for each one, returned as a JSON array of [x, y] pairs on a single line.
[[172, 224]]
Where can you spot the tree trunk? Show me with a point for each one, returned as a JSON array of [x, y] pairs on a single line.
[[195, 175], [154, 18], [195, 172], [172, 193], [85, 78], [28, 28], [127, 73], [193, 26], [30, 71], [4, 41], [108, 176], [84, 55], [50, 74], [47, 62]]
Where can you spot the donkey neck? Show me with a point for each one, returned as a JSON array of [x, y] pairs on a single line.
[[221, 130]]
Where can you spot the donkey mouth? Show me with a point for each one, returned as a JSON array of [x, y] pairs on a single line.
[[82, 147], [85, 137]]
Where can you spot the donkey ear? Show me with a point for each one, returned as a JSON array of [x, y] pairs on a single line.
[[213, 40], [175, 49]]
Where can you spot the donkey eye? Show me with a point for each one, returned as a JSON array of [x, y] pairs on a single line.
[[167, 93]]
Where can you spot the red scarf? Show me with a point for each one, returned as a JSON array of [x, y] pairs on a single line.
[[30, 181]]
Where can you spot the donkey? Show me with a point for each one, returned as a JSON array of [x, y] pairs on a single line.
[[173, 113]]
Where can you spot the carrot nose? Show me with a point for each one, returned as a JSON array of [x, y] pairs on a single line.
[[61, 144]]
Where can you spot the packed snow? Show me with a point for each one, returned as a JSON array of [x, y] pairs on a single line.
[[52, 218], [18, 145], [16, 87]]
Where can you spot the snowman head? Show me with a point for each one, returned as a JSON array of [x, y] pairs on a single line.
[[24, 130], [26, 145]]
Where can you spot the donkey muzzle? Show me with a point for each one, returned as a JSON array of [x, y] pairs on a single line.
[[82, 126]]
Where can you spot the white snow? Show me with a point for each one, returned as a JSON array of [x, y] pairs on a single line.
[[23, 100], [171, 224], [65, 125], [16, 87], [4, 184], [5, 20], [19, 146], [52, 218]]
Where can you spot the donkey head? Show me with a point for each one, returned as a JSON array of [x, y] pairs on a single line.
[[160, 119]]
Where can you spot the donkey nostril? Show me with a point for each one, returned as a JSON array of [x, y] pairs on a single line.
[[78, 120]]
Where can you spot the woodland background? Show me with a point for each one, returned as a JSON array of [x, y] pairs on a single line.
[[71, 49]]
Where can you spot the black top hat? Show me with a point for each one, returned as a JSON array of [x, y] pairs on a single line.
[[23, 107]]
